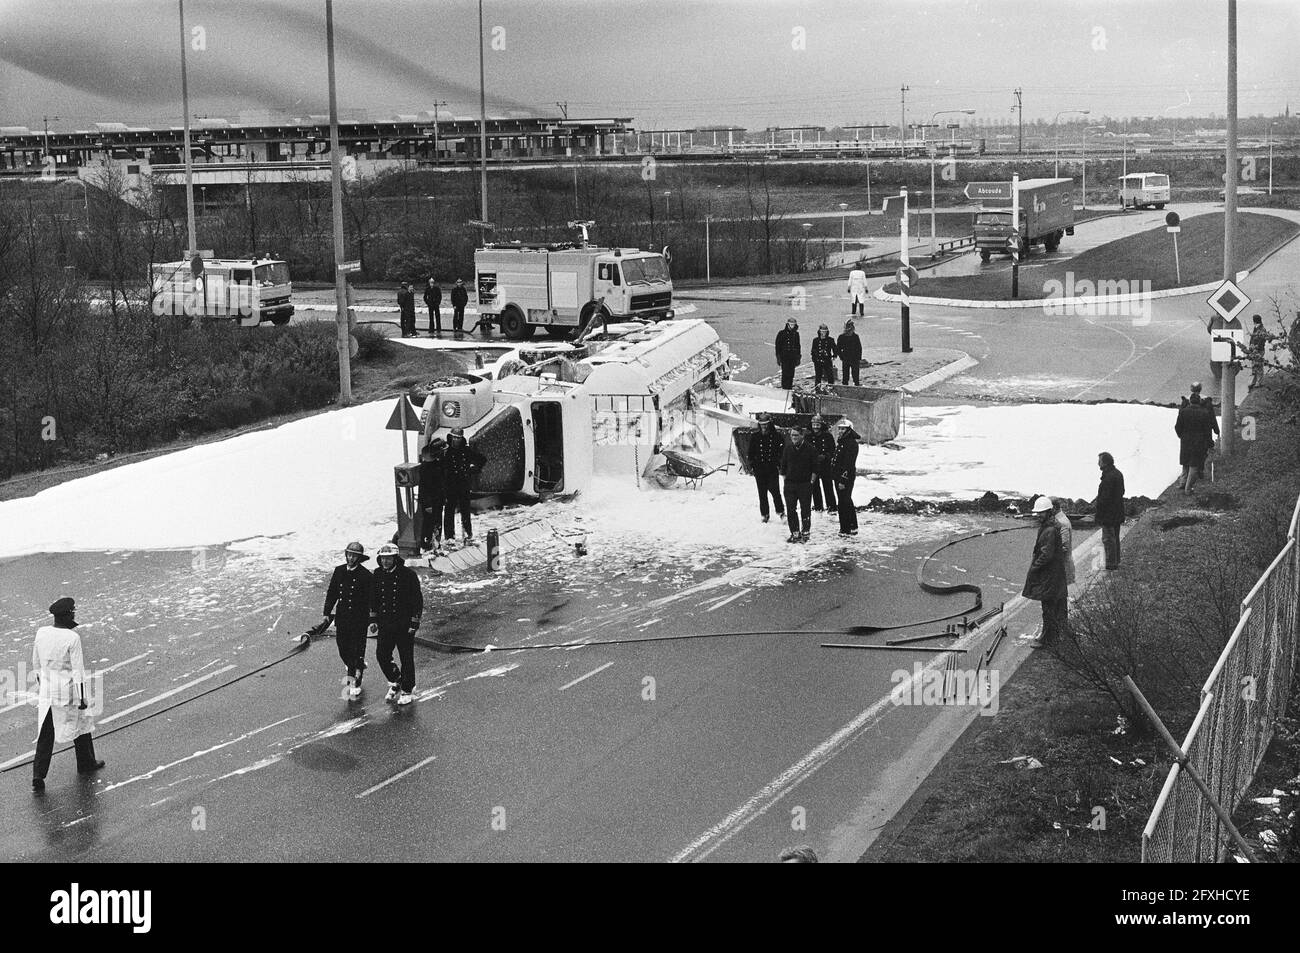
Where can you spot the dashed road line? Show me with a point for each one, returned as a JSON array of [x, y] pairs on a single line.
[[583, 678], [397, 777]]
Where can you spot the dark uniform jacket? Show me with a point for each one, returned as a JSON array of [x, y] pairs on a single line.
[[1110, 498], [824, 350], [1196, 426], [432, 483], [433, 296], [788, 348], [1046, 577], [844, 466], [765, 451], [823, 442], [459, 464], [849, 346], [459, 296], [396, 597], [799, 464], [406, 301], [348, 596]]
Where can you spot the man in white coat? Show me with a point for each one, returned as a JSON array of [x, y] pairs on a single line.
[[858, 292], [62, 712]]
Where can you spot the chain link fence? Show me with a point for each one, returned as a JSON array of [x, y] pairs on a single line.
[[1240, 703]]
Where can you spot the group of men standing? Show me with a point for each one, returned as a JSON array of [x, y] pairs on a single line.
[[1197, 429], [387, 604], [825, 350], [433, 301], [447, 470], [818, 468]]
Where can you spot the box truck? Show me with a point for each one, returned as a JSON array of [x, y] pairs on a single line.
[[560, 286], [1046, 214]]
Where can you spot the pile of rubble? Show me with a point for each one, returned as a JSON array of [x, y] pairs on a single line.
[[990, 502]]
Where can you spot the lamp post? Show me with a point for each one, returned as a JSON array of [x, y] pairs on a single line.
[[1056, 163], [1269, 133], [933, 152], [189, 159], [844, 207]]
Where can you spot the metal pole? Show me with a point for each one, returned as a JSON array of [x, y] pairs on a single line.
[[1084, 204], [1178, 268], [1229, 389], [1270, 158], [904, 283], [1015, 224], [932, 245], [189, 160], [1184, 763], [708, 265], [341, 314], [482, 122]]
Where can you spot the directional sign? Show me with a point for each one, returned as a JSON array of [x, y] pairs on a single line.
[[1228, 300], [989, 190], [350, 266]]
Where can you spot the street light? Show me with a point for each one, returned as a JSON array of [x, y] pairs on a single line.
[[933, 152], [844, 207], [1056, 163], [1269, 133]]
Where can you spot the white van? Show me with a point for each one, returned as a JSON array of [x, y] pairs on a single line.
[[1143, 190]]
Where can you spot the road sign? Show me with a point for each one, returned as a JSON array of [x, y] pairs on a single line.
[[989, 190], [479, 223], [1172, 219], [350, 266], [411, 420], [1173, 229], [1228, 300], [913, 276], [204, 253]]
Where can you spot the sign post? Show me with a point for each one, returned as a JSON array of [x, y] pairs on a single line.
[[1228, 301], [1015, 224], [1173, 228], [904, 281]]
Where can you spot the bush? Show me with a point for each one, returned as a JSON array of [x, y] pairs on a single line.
[[372, 343], [410, 264]]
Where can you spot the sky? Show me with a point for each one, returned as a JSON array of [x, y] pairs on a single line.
[[662, 63]]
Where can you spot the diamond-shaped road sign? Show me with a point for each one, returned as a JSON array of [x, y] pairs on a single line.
[[1228, 300]]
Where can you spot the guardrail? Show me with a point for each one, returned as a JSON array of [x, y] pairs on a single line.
[[1241, 701], [953, 244]]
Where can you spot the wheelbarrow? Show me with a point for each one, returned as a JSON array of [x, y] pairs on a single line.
[[678, 465]]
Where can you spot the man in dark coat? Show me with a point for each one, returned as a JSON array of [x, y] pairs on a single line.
[[823, 442], [789, 352], [849, 346], [347, 605], [459, 464], [433, 301], [396, 605], [1110, 507], [824, 353], [765, 463], [1045, 581], [1196, 429], [406, 304], [799, 467], [433, 496], [844, 470], [459, 298]]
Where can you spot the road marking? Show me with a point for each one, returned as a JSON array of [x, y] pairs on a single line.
[[398, 776], [167, 694], [731, 598], [580, 678]]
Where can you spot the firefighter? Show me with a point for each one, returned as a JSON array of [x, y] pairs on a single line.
[[396, 605], [459, 465], [406, 304], [432, 498], [823, 442], [433, 301], [764, 462], [459, 298], [347, 605]]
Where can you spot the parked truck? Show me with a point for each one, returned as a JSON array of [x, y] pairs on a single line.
[[249, 290], [562, 287], [1046, 215]]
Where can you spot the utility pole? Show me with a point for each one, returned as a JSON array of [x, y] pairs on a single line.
[[189, 159], [482, 129], [341, 316], [902, 124], [1228, 427], [1020, 121], [441, 102], [564, 110], [45, 124]]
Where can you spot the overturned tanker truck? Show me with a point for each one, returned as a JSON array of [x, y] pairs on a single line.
[[601, 407]]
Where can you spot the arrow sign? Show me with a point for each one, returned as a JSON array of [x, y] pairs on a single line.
[[989, 190]]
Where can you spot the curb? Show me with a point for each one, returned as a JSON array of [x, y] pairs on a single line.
[[942, 374], [1049, 304]]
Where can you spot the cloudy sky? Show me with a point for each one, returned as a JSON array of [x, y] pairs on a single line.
[[664, 63]]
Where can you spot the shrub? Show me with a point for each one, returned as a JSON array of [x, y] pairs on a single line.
[[372, 343]]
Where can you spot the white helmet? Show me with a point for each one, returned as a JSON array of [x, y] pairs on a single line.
[[1041, 505], [388, 549]]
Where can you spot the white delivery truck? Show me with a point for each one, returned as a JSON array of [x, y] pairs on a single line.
[[560, 286], [249, 290]]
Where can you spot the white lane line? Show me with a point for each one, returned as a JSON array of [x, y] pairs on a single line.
[[732, 598], [580, 678], [398, 776], [772, 792], [198, 754], [167, 694]]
